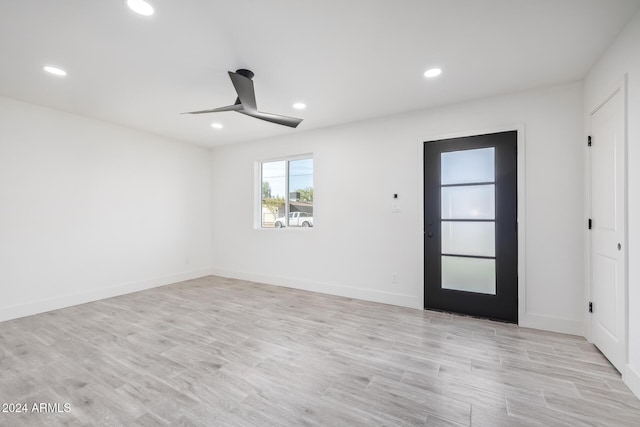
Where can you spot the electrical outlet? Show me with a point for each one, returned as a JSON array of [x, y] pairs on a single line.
[[395, 278]]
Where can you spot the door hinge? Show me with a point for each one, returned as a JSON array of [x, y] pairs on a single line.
[[590, 223], [589, 141], [590, 307]]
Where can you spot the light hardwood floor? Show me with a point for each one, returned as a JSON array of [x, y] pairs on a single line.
[[217, 351]]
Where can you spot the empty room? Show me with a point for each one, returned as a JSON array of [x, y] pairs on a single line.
[[320, 213]]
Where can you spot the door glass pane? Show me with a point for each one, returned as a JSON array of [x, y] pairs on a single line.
[[468, 166], [469, 274], [273, 192], [468, 238], [301, 193], [469, 202]]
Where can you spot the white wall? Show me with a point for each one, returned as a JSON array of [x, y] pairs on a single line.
[[89, 210], [357, 243], [623, 58]]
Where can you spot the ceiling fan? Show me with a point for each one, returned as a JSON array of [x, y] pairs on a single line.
[[246, 101]]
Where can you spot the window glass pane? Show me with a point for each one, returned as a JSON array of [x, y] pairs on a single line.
[[469, 238], [273, 194], [469, 202], [468, 166], [301, 193], [469, 274]]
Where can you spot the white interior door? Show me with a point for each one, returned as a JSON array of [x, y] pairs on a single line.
[[608, 244]]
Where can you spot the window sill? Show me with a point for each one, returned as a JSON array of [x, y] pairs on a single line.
[[285, 229]]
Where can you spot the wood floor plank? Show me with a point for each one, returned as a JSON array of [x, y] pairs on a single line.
[[453, 389], [603, 410], [418, 399], [219, 351], [483, 417], [435, 421], [534, 415]]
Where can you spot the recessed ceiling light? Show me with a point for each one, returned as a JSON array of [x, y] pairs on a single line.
[[140, 7], [217, 125], [55, 70], [432, 72], [299, 105]]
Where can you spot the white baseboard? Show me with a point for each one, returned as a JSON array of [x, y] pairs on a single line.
[[631, 378], [534, 321], [553, 324], [410, 301], [68, 300], [566, 326]]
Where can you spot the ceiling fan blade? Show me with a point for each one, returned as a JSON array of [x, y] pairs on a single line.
[[236, 107], [246, 101], [292, 122], [245, 90]]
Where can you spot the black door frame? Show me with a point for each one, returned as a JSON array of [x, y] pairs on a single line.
[[505, 305]]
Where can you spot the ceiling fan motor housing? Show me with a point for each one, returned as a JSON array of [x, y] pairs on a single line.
[[245, 73]]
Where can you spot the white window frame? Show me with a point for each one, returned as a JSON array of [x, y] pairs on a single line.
[[257, 211]]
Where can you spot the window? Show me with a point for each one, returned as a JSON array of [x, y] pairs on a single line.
[[286, 198], [468, 205]]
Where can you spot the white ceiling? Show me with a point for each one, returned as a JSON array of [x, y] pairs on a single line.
[[347, 59]]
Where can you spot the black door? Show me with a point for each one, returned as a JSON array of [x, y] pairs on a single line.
[[471, 232]]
